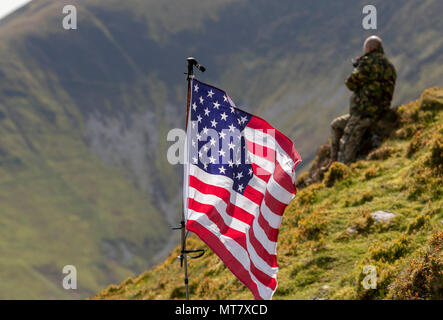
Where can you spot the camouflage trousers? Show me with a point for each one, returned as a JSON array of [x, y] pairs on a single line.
[[347, 132]]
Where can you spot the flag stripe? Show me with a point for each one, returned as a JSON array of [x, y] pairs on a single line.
[[284, 142], [273, 204], [224, 195], [271, 154], [273, 220], [231, 226], [217, 246], [244, 254]]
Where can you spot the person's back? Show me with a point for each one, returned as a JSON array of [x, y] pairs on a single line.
[[372, 83]]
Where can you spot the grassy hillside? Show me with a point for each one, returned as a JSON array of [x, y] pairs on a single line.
[[328, 234]]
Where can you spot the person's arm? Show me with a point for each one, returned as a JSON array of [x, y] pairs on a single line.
[[359, 76]]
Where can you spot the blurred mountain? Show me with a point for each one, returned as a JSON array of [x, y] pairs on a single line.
[[84, 113]]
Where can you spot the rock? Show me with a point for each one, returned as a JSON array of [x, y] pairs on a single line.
[[380, 216], [351, 230], [325, 287]]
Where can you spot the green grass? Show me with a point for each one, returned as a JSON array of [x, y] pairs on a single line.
[[317, 256]]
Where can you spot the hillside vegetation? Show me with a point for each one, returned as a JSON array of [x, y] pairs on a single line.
[[328, 233]]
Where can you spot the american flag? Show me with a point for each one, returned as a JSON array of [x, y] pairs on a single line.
[[239, 178]]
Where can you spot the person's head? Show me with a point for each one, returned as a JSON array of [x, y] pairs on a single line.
[[372, 43]]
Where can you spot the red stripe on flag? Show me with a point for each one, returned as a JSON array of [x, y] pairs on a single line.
[[212, 213], [274, 205], [286, 144], [270, 259], [261, 173], [283, 179], [280, 176], [271, 232], [261, 151], [253, 195], [231, 209], [223, 194], [228, 259], [264, 278]]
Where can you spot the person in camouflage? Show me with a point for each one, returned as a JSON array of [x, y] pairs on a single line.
[[372, 83]]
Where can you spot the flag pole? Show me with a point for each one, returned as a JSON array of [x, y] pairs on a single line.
[[183, 254]]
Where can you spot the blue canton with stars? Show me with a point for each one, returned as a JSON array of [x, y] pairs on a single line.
[[218, 145]]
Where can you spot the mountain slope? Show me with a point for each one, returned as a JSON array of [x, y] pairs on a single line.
[[84, 114], [328, 234], [59, 203]]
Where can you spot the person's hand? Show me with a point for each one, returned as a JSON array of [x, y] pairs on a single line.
[[355, 62]]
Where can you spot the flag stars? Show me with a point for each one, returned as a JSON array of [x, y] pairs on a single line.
[[242, 120], [210, 110]]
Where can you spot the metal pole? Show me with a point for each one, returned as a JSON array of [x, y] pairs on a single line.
[[183, 254], [183, 225]]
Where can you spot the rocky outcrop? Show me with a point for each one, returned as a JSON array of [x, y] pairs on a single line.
[[372, 139]]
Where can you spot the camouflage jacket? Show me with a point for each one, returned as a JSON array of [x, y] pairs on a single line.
[[372, 83]]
